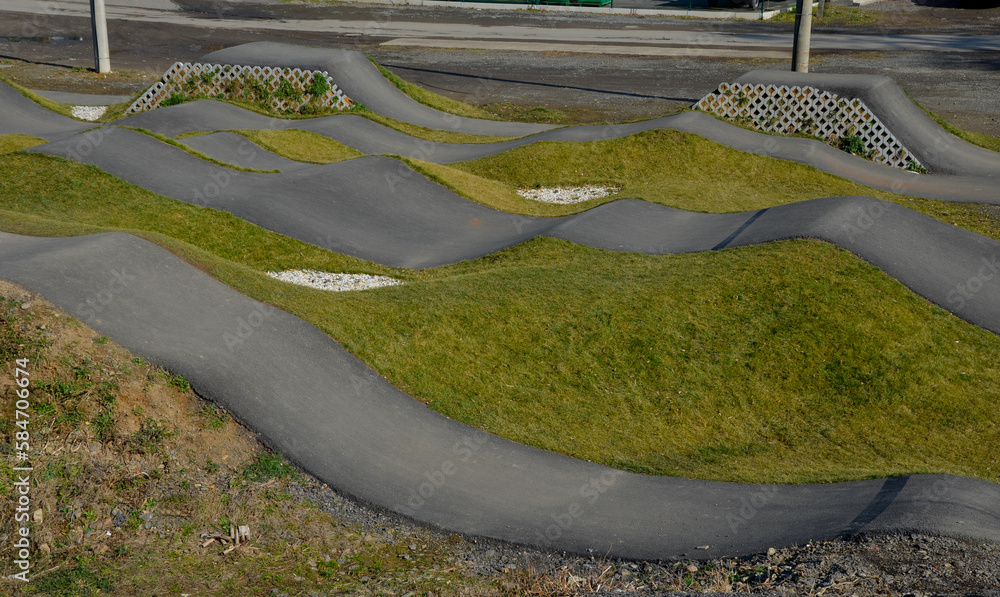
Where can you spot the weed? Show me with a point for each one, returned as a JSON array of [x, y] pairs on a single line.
[[319, 86], [60, 390], [173, 100], [72, 418], [268, 465], [69, 582], [852, 144], [287, 91], [102, 340], [149, 437], [178, 381], [215, 418], [82, 371], [104, 425], [106, 393]]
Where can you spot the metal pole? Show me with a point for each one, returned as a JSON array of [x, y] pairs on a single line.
[[803, 30], [99, 26]]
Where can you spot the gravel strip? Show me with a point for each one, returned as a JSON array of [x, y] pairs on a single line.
[[567, 195], [877, 564], [333, 282], [88, 113]]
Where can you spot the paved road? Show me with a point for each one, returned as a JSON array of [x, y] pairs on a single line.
[[594, 36]]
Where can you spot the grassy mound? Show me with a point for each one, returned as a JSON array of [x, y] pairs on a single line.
[[790, 362]]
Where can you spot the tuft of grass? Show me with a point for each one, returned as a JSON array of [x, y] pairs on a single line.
[[301, 146], [213, 416], [431, 99], [104, 425], [151, 434], [852, 144], [178, 382], [267, 466], [17, 142]]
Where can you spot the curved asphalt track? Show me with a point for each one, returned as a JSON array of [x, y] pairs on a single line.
[[974, 179], [335, 417], [328, 412], [362, 82]]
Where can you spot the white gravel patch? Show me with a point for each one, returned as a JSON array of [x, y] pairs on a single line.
[[89, 113], [333, 282], [567, 195]]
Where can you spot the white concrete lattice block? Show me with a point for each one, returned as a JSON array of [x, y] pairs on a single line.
[[810, 111], [252, 83]]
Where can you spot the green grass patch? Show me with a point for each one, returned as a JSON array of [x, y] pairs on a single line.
[[789, 362], [669, 167], [78, 579], [195, 152], [834, 16], [673, 168], [301, 146], [433, 100], [267, 466], [50, 196], [17, 142], [429, 134], [536, 114]]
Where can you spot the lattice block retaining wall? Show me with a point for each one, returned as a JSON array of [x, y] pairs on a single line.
[[786, 110], [281, 88]]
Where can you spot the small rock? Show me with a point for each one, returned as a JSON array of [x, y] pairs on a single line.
[[771, 551], [44, 548], [38, 515], [26, 306], [692, 568]]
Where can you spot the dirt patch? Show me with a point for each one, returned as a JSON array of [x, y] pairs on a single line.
[[78, 80]]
